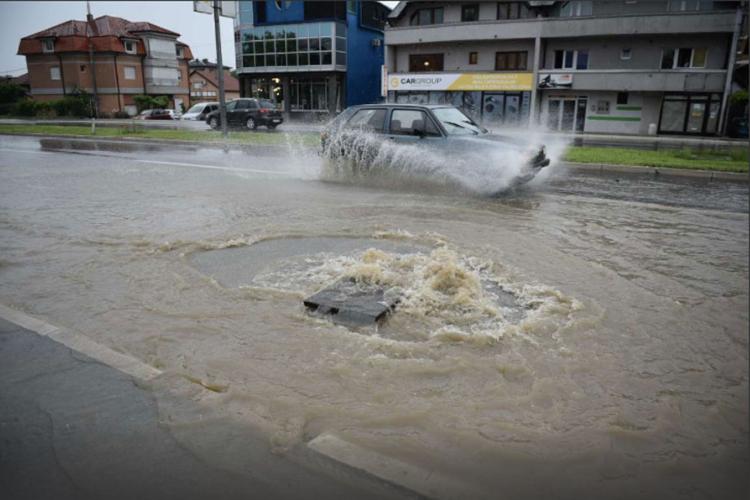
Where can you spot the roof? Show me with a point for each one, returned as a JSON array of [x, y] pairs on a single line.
[[105, 26]]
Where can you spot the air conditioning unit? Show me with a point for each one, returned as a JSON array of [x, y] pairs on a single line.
[[376, 42]]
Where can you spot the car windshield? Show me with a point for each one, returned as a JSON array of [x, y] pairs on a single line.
[[266, 104], [196, 109], [456, 122]]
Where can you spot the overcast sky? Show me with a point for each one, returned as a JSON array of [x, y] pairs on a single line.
[[22, 18]]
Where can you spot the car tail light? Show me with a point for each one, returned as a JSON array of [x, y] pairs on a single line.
[[263, 110]]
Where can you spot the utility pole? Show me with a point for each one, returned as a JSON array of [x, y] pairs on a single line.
[[90, 27], [220, 70]]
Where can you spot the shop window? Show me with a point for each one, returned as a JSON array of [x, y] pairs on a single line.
[[48, 46], [576, 8], [368, 119], [469, 12], [409, 122], [427, 16], [473, 57], [54, 73], [513, 10], [425, 62], [509, 61], [622, 98]]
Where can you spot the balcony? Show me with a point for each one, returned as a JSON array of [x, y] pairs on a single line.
[[646, 80], [665, 24]]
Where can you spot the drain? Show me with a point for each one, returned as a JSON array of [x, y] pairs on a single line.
[[352, 304]]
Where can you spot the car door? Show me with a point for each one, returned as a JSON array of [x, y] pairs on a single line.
[[412, 126], [232, 112], [364, 130]]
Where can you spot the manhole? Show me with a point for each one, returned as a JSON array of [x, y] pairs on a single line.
[[351, 303]]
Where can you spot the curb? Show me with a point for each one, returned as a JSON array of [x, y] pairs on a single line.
[[81, 343], [709, 175]]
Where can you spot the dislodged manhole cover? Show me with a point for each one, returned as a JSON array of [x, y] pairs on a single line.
[[352, 303]]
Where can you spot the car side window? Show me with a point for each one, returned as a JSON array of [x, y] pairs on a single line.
[[243, 105], [410, 121], [231, 105], [252, 105], [372, 120]]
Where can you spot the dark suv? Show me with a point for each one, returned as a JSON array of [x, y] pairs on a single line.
[[249, 113]]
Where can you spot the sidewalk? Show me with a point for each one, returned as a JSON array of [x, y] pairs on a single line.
[[74, 428]]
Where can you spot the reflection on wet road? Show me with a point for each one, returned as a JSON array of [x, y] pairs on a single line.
[[625, 377]]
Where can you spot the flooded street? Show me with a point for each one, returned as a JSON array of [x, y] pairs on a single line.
[[586, 337]]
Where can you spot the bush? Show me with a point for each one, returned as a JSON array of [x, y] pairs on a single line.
[[11, 93], [44, 109], [25, 107], [143, 101], [738, 98]]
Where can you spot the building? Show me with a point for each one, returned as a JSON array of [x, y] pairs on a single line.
[[310, 57], [626, 67], [204, 82], [128, 58]]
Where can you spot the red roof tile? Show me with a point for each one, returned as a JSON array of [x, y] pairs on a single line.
[[105, 26]]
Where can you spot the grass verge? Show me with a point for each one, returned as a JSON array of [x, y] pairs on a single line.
[[727, 160], [261, 138]]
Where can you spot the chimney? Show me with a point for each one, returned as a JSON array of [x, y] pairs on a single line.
[[94, 31]]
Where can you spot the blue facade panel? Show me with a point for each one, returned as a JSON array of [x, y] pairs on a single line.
[[290, 12], [363, 62]]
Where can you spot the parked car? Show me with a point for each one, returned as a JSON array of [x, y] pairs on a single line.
[[248, 113], [155, 114], [200, 111], [175, 114], [441, 128]]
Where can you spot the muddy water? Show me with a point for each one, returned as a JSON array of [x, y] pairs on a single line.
[[626, 375]]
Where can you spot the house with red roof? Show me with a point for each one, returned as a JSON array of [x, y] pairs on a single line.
[[204, 82], [109, 57]]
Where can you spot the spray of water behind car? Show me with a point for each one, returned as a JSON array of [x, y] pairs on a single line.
[[438, 146]]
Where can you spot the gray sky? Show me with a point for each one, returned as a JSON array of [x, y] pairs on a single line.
[[22, 18]]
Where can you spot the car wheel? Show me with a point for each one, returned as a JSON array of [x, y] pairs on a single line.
[[213, 122], [251, 124]]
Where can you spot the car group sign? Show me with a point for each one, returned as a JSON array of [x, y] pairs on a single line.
[[460, 81]]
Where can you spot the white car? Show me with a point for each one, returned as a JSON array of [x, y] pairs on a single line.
[[199, 111]]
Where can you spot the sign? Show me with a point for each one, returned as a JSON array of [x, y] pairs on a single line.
[[383, 81], [460, 81], [556, 81], [227, 8]]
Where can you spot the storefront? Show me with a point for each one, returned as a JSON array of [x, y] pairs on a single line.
[[299, 93], [492, 98], [690, 114]]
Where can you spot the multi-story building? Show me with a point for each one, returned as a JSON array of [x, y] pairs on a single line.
[[204, 82], [628, 66], [110, 57], [310, 57]]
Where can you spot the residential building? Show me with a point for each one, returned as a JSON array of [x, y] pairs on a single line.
[[204, 82], [628, 66], [111, 57], [310, 57]]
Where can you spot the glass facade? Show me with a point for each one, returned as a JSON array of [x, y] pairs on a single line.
[[293, 47]]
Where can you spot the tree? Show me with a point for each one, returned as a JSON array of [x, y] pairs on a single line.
[[11, 92]]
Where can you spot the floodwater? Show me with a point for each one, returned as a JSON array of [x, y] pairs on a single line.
[[618, 369]]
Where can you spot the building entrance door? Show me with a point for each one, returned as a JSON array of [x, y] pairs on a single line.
[[566, 114]]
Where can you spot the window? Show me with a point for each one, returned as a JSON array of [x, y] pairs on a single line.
[[626, 54], [582, 59], [129, 72], [569, 59], [411, 122], [180, 52], [48, 46], [576, 8], [368, 119], [425, 62], [469, 12], [473, 57], [685, 5], [602, 107], [54, 73], [427, 16], [83, 68], [683, 58], [622, 98], [130, 46], [512, 10], [505, 61]]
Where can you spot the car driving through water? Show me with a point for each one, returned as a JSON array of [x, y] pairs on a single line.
[[441, 129]]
